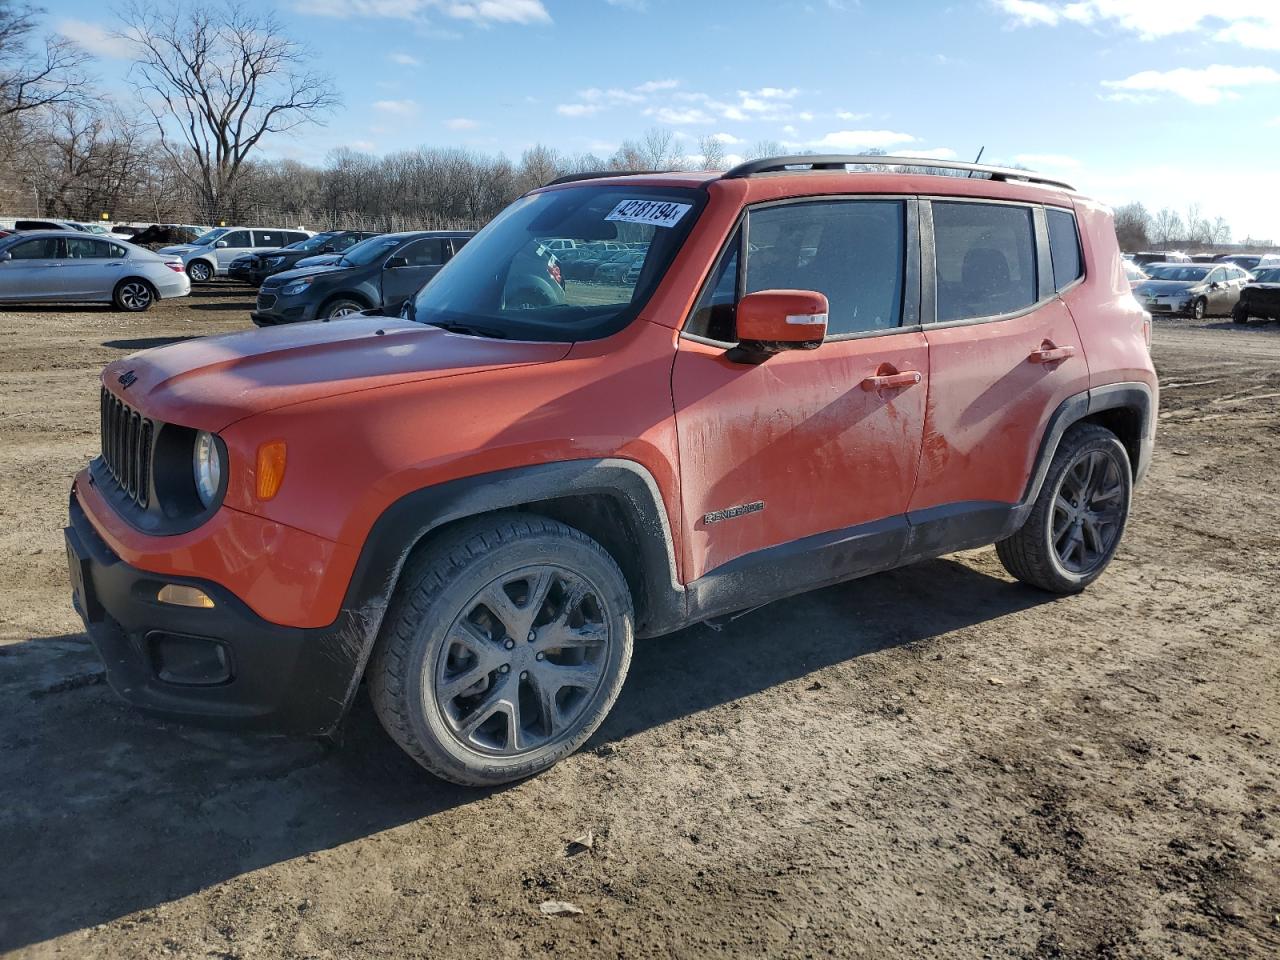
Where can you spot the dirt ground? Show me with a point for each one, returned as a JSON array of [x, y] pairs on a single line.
[[935, 762]]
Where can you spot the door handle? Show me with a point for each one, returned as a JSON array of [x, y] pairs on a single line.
[[908, 378], [1049, 352]]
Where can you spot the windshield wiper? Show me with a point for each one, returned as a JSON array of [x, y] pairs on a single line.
[[466, 329]]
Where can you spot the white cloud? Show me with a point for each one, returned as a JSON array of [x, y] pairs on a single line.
[[94, 38], [855, 140], [364, 146], [653, 86], [727, 138], [401, 108], [479, 12], [933, 153], [404, 59], [846, 115], [1204, 86], [578, 109], [1249, 23], [639, 6], [677, 116], [461, 123], [1053, 161]]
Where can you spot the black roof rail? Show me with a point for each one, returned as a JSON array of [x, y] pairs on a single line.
[[598, 174], [839, 162]]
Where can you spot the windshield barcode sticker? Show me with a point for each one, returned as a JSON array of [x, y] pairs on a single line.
[[656, 213]]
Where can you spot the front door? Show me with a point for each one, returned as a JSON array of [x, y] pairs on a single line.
[[422, 260], [807, 456], [231, 245], [33, 270]]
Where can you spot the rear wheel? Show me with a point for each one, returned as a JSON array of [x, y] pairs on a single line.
[[505, 647], [133, 295], [199, 271], [1079, 516]]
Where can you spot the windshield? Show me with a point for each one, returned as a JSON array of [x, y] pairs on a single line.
[[366, 251], [312, 243], [1267, 275], [507, 281], [1175, 271], [207, 238]]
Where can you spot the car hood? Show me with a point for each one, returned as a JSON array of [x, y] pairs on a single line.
[[211, 382], [181, 248], [297, 273], [1162, 288], [320, 260]]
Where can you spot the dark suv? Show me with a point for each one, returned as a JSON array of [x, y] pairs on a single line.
[[380, 273], [257, 266]]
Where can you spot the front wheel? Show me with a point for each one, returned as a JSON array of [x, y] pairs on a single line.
[[505, 647], [1239, 314], [1199, 308], [199, 271], [337, 309], [1079, 516]]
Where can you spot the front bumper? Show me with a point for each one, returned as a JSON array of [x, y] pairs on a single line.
[[224, 666], [272, 310]]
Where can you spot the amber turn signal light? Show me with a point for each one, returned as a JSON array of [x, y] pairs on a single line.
[[184, 596], [271, 460]]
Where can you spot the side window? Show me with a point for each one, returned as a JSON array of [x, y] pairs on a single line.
[[851, 250], [1216, 276], [714, 315], [45, 248], [341, 243], [86, 248], [986, 258], [1064, 246], [117, 250], [423, 253], [459, 243], [268, 238], [236, 239]]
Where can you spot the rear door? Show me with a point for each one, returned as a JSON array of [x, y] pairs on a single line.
[[423, 260], [90, 269], [805, 445], [1004, 353], [33, 271]]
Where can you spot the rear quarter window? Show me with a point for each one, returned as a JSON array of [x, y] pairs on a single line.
[[1064, 246]]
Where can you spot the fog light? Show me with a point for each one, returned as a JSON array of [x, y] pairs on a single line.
[[184, 596], [188, 661]]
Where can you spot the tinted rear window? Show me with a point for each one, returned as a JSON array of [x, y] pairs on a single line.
[[1064, 245], [985, 259]]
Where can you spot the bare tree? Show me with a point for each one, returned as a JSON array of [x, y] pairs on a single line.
[[538, 166], [765, 148], [217, 80], [712, 150], [1133, 226], [657, 149], [1166, 227], [35, 74]]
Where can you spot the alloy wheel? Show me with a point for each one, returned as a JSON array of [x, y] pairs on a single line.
[[1088, 511], [135, 296], [344, 310], [523, 661], [199, 271]]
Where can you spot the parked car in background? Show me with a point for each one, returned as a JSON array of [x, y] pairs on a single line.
[[1248, 261], [210, 255], [1166, 256], [48, 225], [1195, 290], [1260, 298], [124, 231], [1204, 258], [380, 273], [1133, 273], [257, 266], [65, 265]]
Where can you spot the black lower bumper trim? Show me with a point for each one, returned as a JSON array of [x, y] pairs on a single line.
[[283, 679]]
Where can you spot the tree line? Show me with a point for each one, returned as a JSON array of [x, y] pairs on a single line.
[[215, 79]]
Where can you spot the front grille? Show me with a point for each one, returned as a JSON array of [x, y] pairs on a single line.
[[126, 447], [266, 301]]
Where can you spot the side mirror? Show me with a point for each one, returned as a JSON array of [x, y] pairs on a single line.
[[1215, 285], [221, 243], [5, 256], [771, 321], [394, 262]]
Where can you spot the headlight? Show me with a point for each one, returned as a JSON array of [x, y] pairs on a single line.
[[274, 261], [295, 287], [207, 466]]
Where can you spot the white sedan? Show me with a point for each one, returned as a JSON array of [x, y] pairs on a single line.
[[63, 265]]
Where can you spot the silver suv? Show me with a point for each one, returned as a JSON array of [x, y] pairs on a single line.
[[211, 254]]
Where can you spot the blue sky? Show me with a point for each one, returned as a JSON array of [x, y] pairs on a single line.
[[1170, 102]]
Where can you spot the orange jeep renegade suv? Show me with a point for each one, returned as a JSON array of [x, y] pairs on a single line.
[[807, 373]]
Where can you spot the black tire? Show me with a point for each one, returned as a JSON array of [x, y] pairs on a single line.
[[199, 271], [340, 307], [133, 295], [1199, 309], [1239, 314], [1033, 555], [442, 597]]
